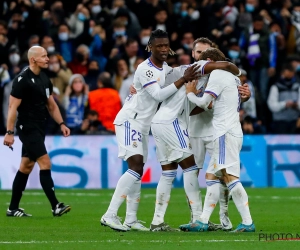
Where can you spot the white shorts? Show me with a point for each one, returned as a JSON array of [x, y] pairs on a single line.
[[201, 145], [131, 141], [226, 154], [172, 142]]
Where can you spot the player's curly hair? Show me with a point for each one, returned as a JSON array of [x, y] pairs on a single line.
[[158, 34], [212, 53]]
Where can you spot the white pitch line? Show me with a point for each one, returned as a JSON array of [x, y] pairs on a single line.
[[119, 241]]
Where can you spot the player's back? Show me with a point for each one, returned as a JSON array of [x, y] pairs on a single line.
[[141, 107], [227, 104], [177, 105]]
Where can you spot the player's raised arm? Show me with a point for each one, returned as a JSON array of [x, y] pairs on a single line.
[[217, 64], [161, 94], [224, 65]]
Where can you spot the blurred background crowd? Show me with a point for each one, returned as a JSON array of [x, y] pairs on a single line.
[[94, 47]]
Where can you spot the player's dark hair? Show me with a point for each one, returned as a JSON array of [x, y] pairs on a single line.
[[212, 53], [158, 34]]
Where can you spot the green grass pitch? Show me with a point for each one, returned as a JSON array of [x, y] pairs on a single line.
[[275, 211]]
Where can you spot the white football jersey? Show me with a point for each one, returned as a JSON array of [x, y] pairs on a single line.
[[224, 87], [140, 108], [177, 105]]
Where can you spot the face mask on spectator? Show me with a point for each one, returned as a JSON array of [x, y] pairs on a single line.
[[298, 68], [80, 57], [91, 29], [186, 46], [81, 17], [119, 33], [54, 67], [184, 13], [51, 49], [96, 9], [63, 36], [14, 59], [250, 7], [25, 14], [233, 54], [145, 40]]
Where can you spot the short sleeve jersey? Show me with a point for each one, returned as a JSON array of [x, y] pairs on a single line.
[[224, 87], [34, 90], [141, 107]]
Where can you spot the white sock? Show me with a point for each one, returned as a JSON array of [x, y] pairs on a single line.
[[133, 201], [211, 199], [224, 198], [123, 188], [192, 191], [163, 193], [240, 199]]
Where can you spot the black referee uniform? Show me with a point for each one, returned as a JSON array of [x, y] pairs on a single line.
[[34, 90]]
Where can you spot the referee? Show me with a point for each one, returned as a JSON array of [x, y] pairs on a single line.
[[31, 96]]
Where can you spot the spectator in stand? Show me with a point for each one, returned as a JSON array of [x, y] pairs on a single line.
[[295, 62], [33, 40], [77, 19], [59, 74], [5, 43], [65, 45], [249, 106], [48, 44], [234, 52], [92, 75], [92, 126], [255, 42], [144, 10], [99, 14], [124, 90], [144, 39], [187, 43], [53, 19], [75, 102], [98, 35], [284, 102], [250, 126], [293, 43], [129, 55], [105, 100], [130, 21], [79, 65], [184, 59], [122, 72], [14, 61], [230, 13]]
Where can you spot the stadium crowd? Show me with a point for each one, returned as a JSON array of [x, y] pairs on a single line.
[[94, 47]]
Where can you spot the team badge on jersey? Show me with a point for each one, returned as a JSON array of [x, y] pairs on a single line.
[[149, 73], [134, 144], [47, 92]]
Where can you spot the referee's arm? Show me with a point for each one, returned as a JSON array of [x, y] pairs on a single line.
[[14, 103], [56, 115]]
